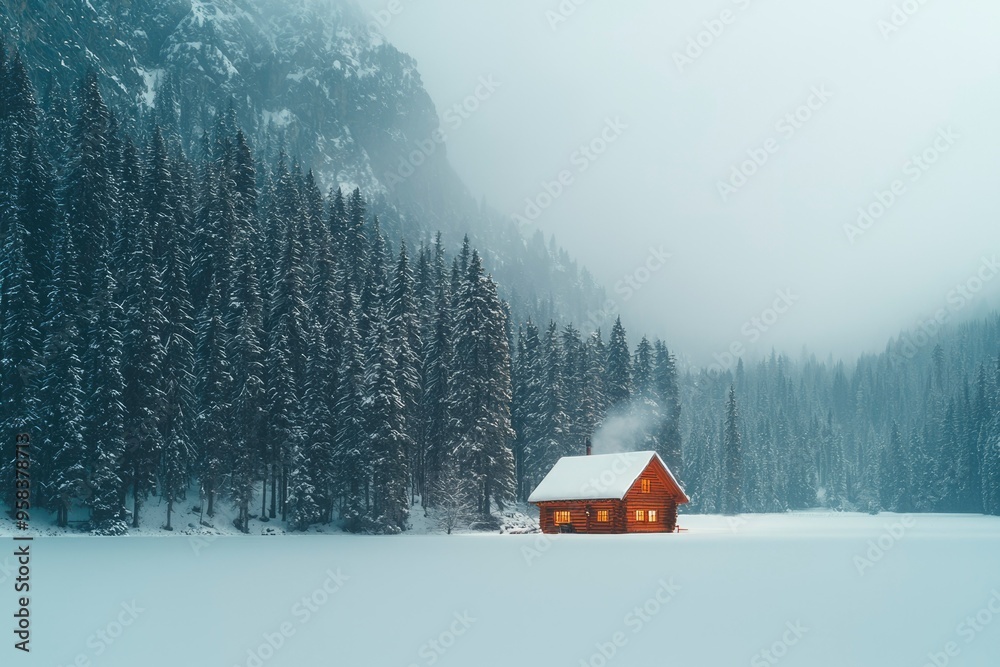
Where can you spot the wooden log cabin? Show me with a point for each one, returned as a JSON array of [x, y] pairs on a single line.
[[631, 492]]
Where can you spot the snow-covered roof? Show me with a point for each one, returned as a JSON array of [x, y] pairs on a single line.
[[595, 477]]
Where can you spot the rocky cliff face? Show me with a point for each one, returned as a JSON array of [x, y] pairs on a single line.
[[308, 76], [348, 103]]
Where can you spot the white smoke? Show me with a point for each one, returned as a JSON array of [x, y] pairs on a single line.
[[626, 428]]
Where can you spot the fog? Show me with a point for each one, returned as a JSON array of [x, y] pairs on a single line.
[[822, 108]]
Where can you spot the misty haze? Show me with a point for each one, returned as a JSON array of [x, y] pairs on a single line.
[[850, 101], [538, 332]]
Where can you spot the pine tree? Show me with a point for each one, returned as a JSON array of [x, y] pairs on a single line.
[[288, 351], [215, 392], [406, 345], [91, 194], [668, 395], [355, 243], [618, 379], [530, 409], [249, 392], [480, 392], [386, 430], [435, 420], [733, 454], [162, 201], [20, 370], [548, 422], [352, 453], [39, 214], [62, 472], [142, 368], [104, 423]]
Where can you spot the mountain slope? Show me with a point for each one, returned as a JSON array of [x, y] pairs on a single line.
[[345, 102]]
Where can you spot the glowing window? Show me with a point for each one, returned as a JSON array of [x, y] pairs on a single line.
[[640, 515], [645, 485], [652, 516], [561, 516], [603, 516]]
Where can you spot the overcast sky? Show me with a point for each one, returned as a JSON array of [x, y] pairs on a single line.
[[668, 120]]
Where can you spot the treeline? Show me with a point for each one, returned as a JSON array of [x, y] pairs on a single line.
[[913, 429]]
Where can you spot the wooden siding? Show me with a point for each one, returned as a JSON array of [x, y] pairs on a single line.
[[660, 498], [583, 516]]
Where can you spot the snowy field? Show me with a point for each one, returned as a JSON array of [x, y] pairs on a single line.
[[811, 589]]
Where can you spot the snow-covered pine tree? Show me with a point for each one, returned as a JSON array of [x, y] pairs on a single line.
[[249, 393], [386, 432], [593, 386], [668, 395], [618, 371], [644, 406], [142, 369], [215, 392], [480, 391], [104, 422], [376, 286], [162, 199], [20, 345], [288, 346], [91, 194], [310, 469], [403, 323], [353, 460], [39, 212], [57, 129], [61, 469], [733, 496], [355, 242], [435, 421], [337, 222], [548, 421], [529, 408]]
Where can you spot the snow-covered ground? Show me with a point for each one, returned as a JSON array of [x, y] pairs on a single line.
[[812, 589], [188, 519]]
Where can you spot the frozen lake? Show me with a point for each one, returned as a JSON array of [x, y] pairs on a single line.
[[810, 589]]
